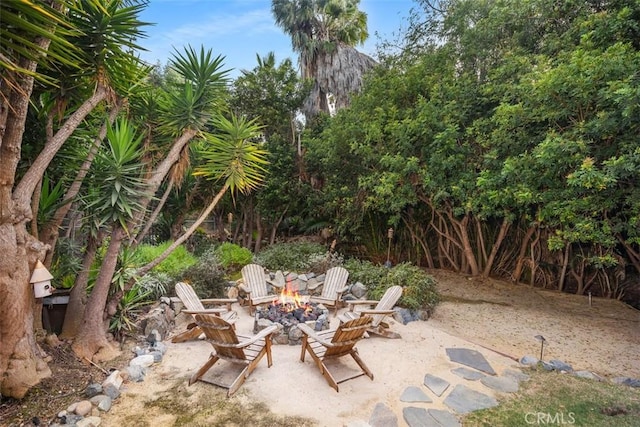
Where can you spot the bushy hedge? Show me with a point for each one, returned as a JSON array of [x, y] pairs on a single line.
[[175, 263], [233, 257], [298, 256], [419, 287], [207, 276]]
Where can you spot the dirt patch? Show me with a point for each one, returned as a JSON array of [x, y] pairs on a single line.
[[497, 316], [601, 336]]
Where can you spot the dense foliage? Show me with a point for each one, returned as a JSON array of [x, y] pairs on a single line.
[[419, 288], [289, 256], [207, 276], [173, 265], [498, 144]]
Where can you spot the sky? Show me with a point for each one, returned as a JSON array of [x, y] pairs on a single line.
[[240, 29]]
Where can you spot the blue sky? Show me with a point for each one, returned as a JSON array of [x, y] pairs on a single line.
[[240, 29]]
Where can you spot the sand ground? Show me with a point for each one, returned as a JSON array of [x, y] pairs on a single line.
[[496, 318]]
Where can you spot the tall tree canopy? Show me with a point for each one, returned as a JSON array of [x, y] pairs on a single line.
[[499, 144], [324, 33]]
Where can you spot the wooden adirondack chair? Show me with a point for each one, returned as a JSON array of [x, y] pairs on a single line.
[[335, 283], [383, 308], [192, 303], [241, 352], [256, 286], [326, 345]]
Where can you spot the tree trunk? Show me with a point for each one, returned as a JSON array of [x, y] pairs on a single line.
[[27, 184], [274, 229], [259, 233], [78, 296], [91, 343], [496, 246], [158, 175], [154, 215], [517, 271], [51, 229], [21, 364], [115, 299]]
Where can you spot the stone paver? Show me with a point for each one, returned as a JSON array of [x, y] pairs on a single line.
[[435, 384], [444, 418], [414, 394], [501, 384], [463, 400], [383, 416], [468, 374], [418, 417], [471, 358]]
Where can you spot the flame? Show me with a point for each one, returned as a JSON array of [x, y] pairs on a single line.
[[290, 299]]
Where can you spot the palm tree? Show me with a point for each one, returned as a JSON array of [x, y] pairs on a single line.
[[231, 156], [39, 41], [324, 33], [118, 188]]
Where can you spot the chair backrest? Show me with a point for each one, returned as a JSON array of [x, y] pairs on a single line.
[[387, 302], [335, 279], [221, 335], [347, 335], [188, 296], [253, 278]]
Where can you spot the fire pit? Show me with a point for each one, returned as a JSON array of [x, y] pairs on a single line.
[[288, 310]]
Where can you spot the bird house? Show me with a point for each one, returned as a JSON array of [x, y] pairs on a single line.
[[41, 279]]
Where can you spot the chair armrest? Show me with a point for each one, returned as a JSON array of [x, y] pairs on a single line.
[[353, 303], [219, 301], [341, 290], [275, 285], [306, 329], [365, 312], [206, 311], [260, 335]]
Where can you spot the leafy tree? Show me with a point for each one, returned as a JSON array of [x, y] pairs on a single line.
[[272, 94]]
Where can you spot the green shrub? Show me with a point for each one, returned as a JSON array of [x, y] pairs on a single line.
[[129, 308], [155, 284], [173, 265], [233, 257], [419, 288], [207, 277], [67, 263], [290, 256], [365, 272]]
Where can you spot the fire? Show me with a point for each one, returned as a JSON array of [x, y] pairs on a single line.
[[290, 299]]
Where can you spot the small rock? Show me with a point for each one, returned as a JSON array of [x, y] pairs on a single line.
[[559, 365], [631, 382], [93, 389], [154, 336], [160, 346], [358, 290], [89, 422], [134, 373], [145, 360], [103, 402], [82, 408], [529, 361], [157, 356], [586, 374]]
